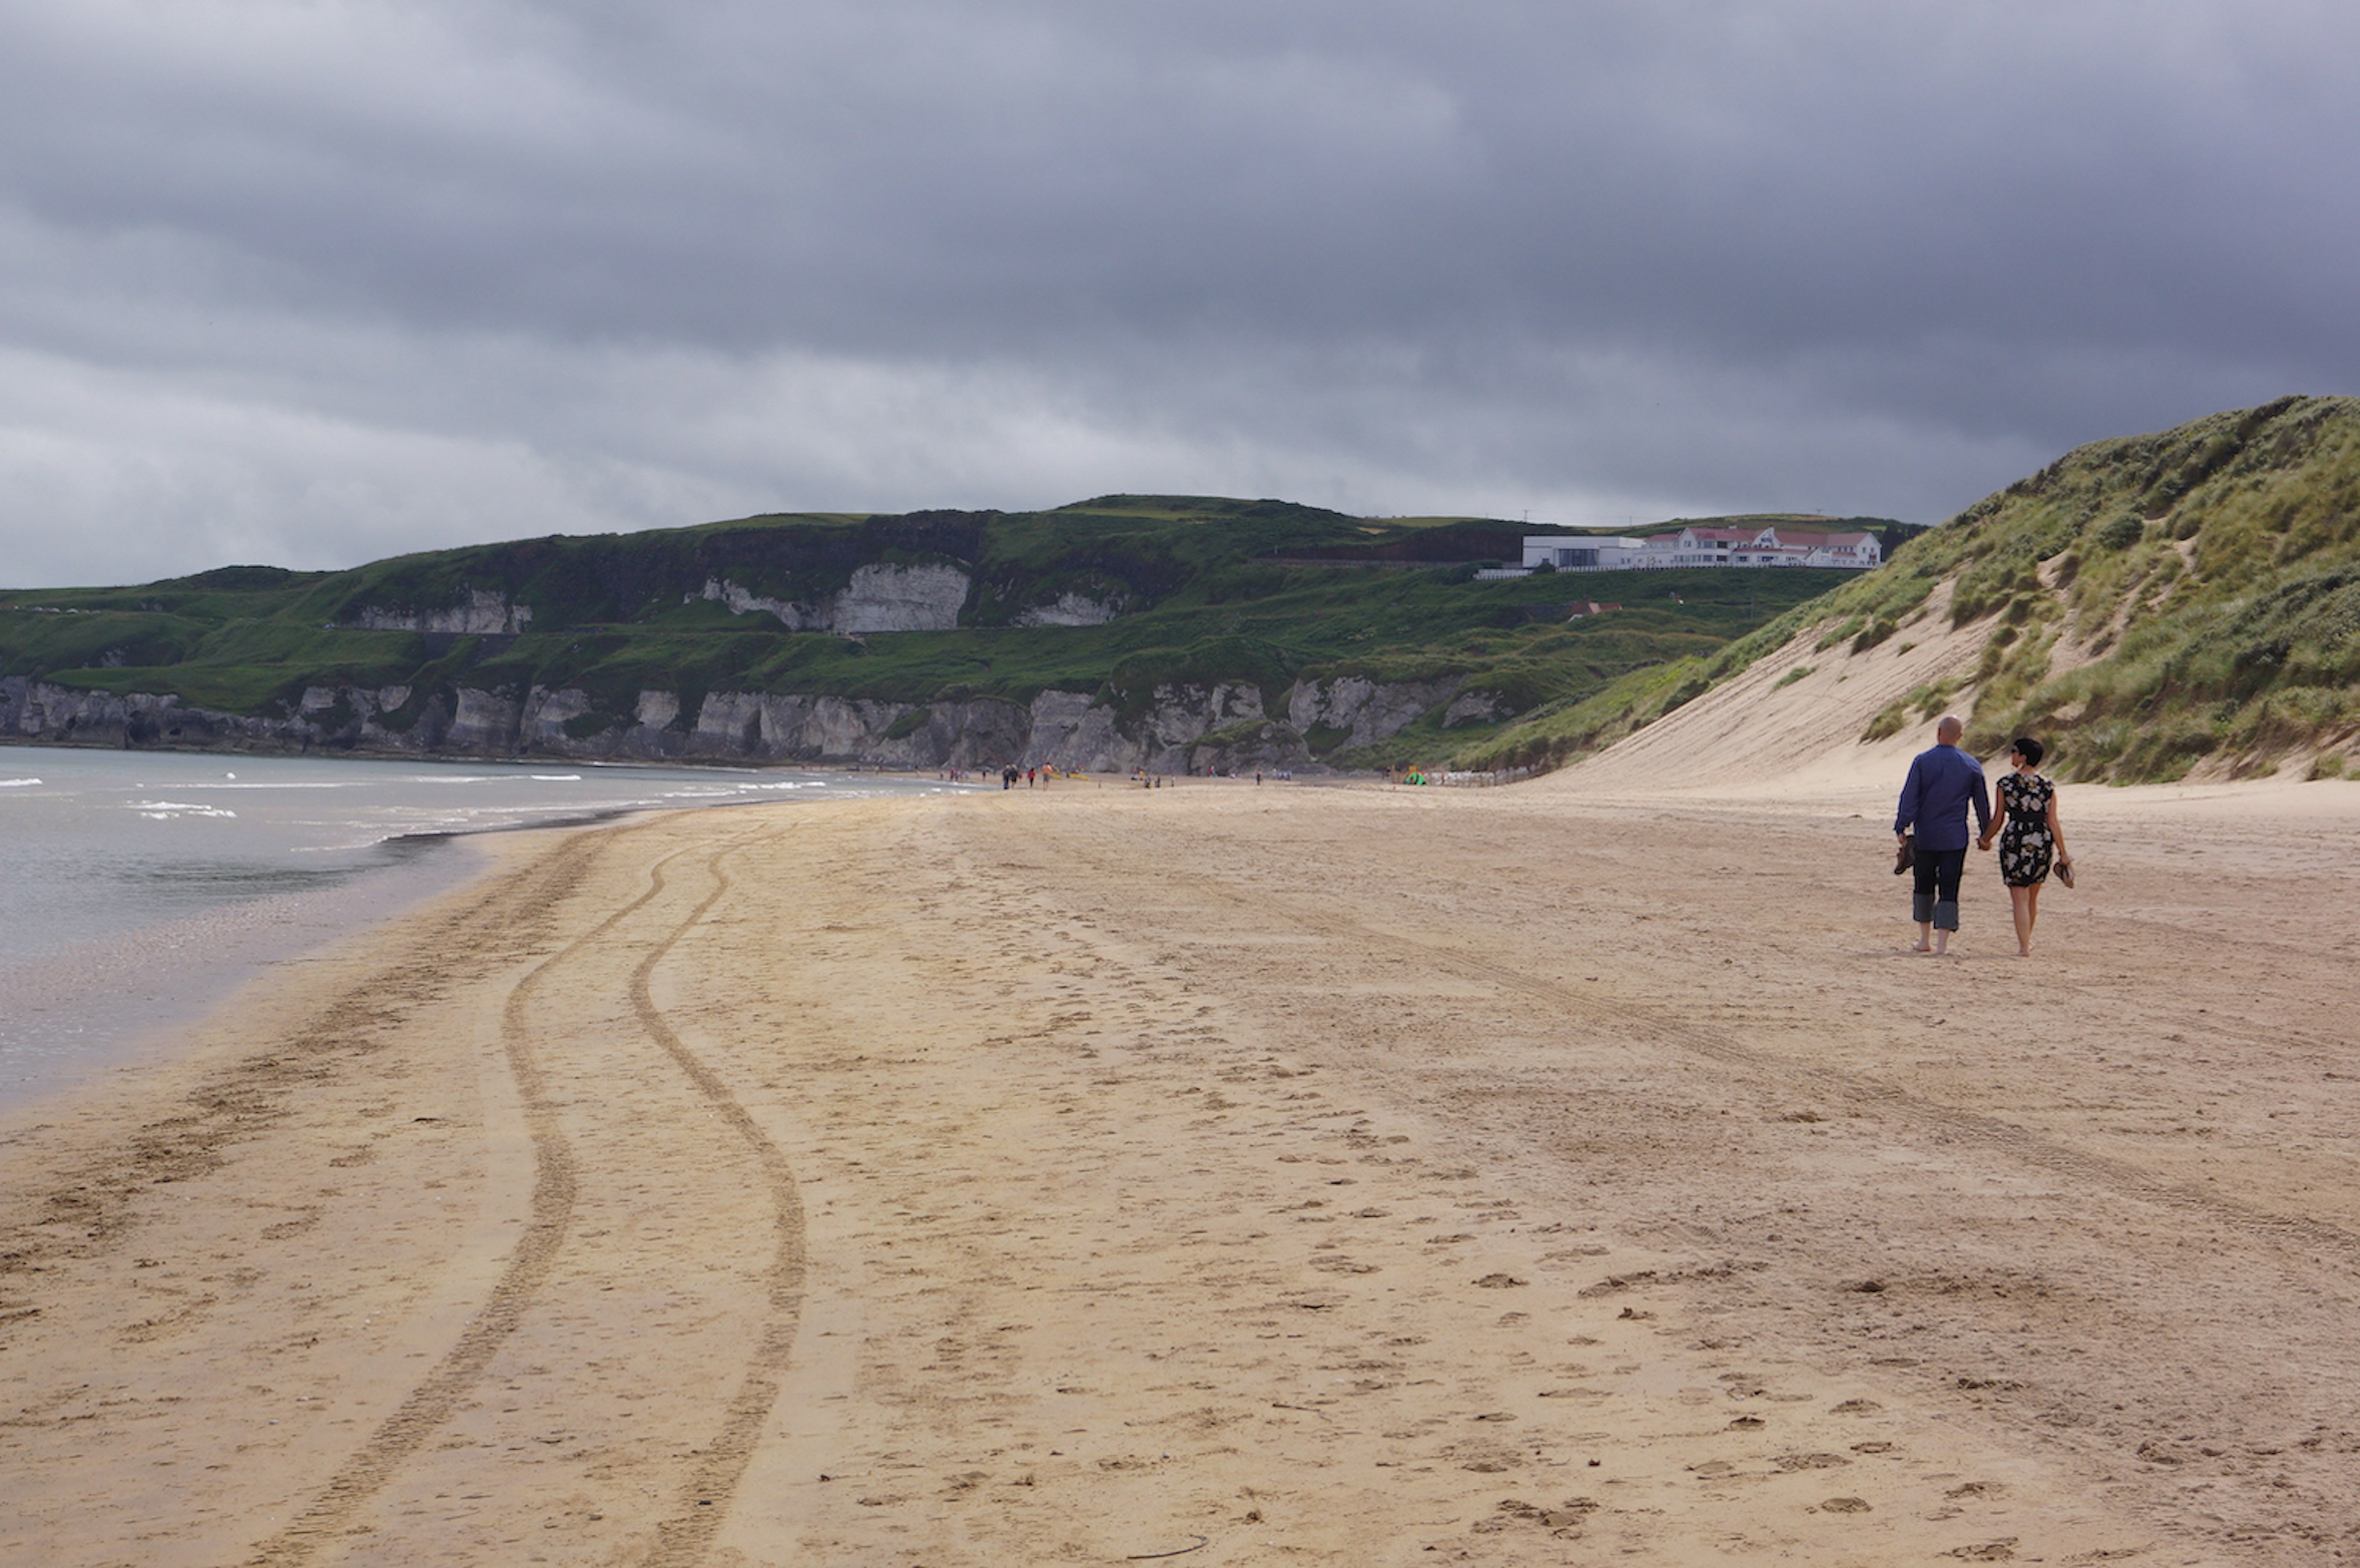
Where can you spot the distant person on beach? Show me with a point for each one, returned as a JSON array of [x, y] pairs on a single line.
[[1943, 782], [2029, 838]]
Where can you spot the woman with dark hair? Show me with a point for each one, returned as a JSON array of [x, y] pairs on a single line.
[[2029, 838]]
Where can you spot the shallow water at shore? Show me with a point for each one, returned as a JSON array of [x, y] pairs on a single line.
[[142, 886]]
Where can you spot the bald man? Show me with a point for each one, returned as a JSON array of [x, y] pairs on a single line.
[[1943, 782]]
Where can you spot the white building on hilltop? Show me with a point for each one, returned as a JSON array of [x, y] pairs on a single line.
[[1571, 553], [1776, 544]]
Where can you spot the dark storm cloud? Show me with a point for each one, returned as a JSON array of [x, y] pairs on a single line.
[[322, 280]]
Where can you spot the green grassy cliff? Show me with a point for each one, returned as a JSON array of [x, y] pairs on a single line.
[[1131, 602]]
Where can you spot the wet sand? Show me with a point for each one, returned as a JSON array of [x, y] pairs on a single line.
[[91, 1008], [1287, 1175]]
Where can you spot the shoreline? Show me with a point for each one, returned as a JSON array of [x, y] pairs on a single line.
[[190, 969], [135, 992], [81, 1011], [1348, 1173]]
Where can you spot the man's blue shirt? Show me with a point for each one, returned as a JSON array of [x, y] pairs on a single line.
[[1943, 781]]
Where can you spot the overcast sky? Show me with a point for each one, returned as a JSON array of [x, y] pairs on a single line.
[[314, 282]]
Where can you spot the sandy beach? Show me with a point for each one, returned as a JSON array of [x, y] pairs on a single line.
[[1548, 1174]]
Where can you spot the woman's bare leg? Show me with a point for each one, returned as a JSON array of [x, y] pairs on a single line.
[[2022, 898]]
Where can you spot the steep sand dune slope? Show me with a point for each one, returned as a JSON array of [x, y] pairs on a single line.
[[1770, 728], [2178, 606]]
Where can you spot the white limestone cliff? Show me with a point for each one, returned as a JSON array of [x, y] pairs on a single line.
[[881, 597], [1181, 728], [485, 612]]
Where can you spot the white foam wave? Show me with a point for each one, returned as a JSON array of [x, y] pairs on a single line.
[[557, 779], [166, 810], [17, 783]]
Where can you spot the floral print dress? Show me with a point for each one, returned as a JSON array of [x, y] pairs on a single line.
[[2025, 845]]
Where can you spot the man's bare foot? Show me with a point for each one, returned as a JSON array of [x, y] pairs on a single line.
[[1920, 947], [2024, 952]]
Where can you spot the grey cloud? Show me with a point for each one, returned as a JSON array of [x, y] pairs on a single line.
[[1381, 254]]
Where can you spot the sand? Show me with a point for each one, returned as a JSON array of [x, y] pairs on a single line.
[[1558, 1173]]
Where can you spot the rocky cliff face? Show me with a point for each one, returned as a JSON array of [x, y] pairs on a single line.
[[1182, 729], [1070, 610], [881, 597], [485, 612], [1365, 710]]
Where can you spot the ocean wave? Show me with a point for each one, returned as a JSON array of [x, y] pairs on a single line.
[[17, 783], [166, 810], [557, 779]]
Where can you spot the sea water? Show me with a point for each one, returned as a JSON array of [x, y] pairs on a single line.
[[137, 888]]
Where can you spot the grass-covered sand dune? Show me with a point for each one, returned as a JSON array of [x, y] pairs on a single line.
[[2158, 605]]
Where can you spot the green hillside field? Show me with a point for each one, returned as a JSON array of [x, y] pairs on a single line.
[[1208, 590]]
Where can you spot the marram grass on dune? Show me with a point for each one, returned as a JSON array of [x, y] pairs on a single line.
[[2152, 603]]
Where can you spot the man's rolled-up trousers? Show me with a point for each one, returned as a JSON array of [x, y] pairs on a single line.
[[1936, 895]]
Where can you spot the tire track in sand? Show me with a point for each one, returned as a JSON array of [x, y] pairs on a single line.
[[685, 1538], [244, 1099], [432, 1402]]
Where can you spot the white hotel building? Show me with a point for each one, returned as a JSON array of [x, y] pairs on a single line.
[[1773, 545]]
